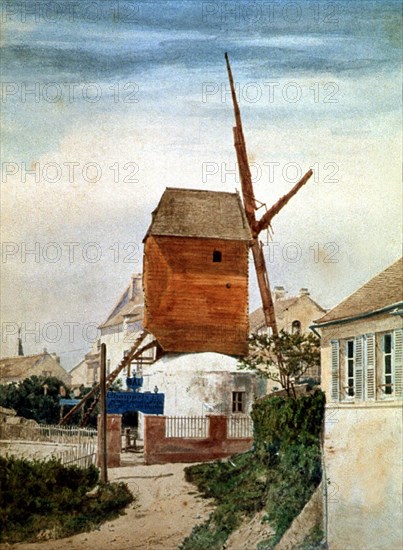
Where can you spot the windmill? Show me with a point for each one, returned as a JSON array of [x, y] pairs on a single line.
[[234, 334], [257, 226]]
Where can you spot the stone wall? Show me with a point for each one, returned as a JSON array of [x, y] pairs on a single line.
[[310, 516]]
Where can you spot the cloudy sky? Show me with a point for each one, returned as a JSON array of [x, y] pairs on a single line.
[[106, 103]]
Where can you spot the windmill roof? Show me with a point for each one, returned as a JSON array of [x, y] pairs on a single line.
[[384, 290], [200, 213]]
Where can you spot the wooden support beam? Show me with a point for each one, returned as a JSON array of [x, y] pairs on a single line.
[[102, 383], [110, 378], [110, 381]]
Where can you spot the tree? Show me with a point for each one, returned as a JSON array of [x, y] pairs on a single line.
[[31, 399], [284, 358]]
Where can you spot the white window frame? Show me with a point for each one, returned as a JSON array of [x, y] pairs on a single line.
[[392, 364], [347, 377]]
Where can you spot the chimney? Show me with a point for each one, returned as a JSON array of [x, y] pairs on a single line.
[[279, 293], [303, 292], [136, 286]]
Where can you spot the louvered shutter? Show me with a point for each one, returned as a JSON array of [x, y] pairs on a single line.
[[398, 361], [335, 373], [370, 361], [359, 370]]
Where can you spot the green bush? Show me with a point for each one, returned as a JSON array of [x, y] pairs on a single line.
[[45, 495], [279, 475], [28, 399]]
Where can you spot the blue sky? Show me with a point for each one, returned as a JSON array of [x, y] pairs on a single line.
[[109, 102]]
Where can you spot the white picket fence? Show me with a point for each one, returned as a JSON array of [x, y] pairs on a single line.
[[82, 455], [186, 426], [70, 444], [239, 426], [63, 434]]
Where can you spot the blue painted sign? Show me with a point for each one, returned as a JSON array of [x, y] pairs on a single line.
[[147, 403], [63, 402], [134, 383]]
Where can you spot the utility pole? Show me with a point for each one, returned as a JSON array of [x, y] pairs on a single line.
[[104, 469]]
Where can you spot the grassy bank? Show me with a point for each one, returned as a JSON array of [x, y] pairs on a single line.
[[43, 499], [279, 475]]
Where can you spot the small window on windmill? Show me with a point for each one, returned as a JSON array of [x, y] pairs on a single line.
[[217, 256]]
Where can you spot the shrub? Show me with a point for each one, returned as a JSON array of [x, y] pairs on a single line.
[[45, 495], [279, 475]]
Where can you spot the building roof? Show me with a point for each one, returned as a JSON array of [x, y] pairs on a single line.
[[25, 366], [126, 306], [200, 213], [383, 291], [257, 320]]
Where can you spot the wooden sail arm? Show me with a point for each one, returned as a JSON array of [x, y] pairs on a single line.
[[237, 111], [266, 219], [246, 182], [242, 156]]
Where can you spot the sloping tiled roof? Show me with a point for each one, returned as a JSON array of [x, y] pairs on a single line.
[[200, 213], [125, 306], [135, 311], [385, 289], [24, 366], [14, 367], [257, 320]]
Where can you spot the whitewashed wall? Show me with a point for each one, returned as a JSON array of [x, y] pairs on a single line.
[[363, 445], [197, 384]]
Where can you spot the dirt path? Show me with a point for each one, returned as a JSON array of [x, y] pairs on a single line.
[[163, 516]]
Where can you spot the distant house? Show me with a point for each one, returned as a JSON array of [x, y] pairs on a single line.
[[16, 369], [293, 314], [195, 272], [362, 376], [120, 330], [79, 375]]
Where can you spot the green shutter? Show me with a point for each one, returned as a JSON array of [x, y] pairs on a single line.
[[370, 366], [359, 368], [398, 362], [335, 371]]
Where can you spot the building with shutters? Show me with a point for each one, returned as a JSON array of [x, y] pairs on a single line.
[[362, 376]]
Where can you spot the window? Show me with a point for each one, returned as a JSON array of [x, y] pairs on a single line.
[[296, 327], [238, 401], [373, 367], [217, 256], [387, 361], [108, 367], [350, 368]]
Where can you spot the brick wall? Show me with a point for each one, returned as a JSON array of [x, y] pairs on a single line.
[[159, 449]]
